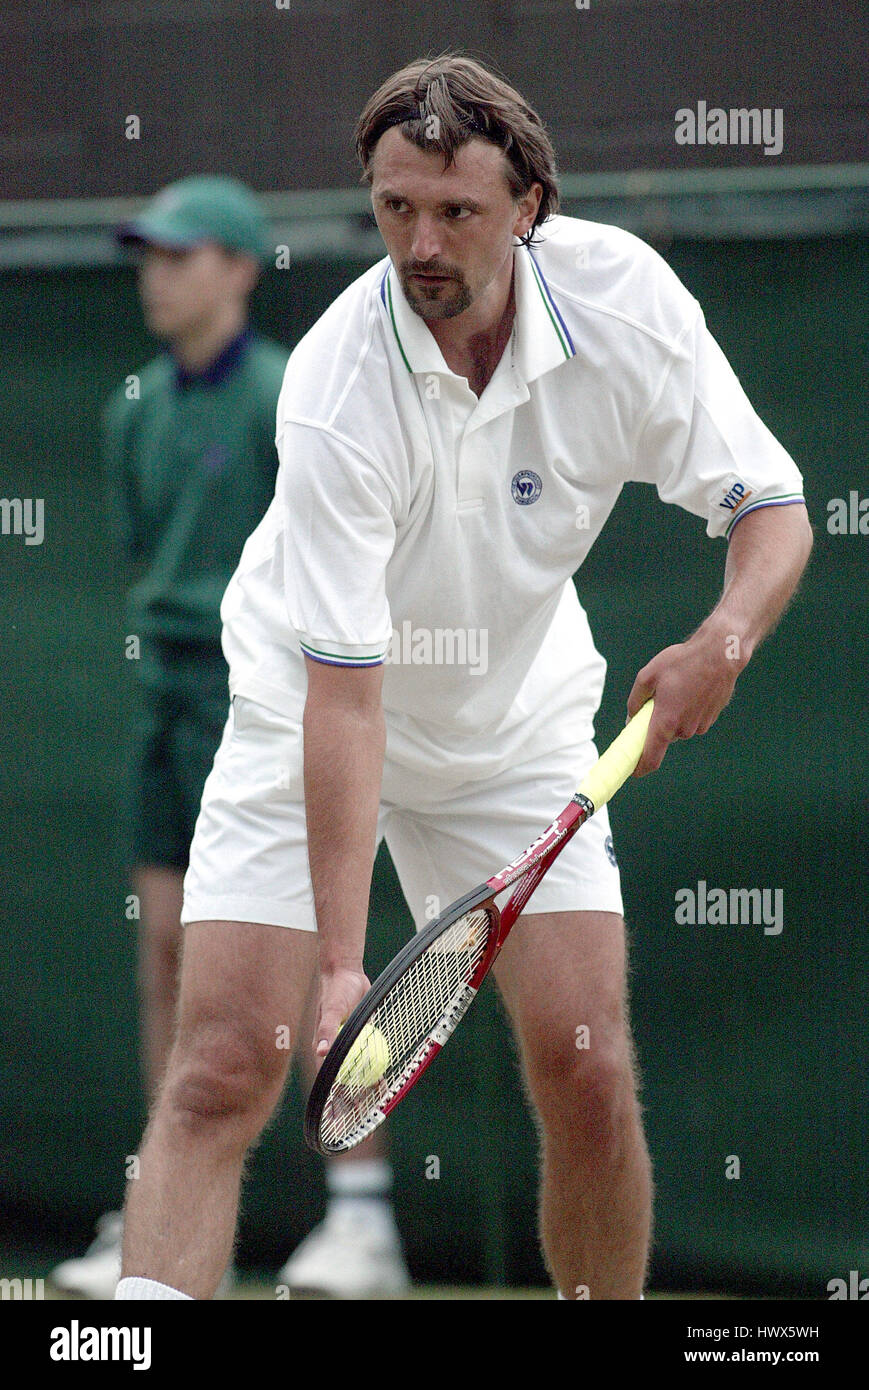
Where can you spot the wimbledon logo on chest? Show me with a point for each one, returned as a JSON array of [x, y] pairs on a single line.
[[526, 487]]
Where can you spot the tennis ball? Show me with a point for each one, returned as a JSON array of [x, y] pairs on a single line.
[[367, 1059]]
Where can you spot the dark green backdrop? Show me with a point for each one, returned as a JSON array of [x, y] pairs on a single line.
[[750, 1045]]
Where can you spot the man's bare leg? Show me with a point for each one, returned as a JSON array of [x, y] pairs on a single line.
[[559, 973], [160, 890], [356, 1250], [241, 985]]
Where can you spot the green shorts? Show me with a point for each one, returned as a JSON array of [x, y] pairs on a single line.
[[181, 705]]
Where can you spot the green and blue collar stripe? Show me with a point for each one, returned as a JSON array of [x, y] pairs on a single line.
[[386, 296], [561, 330]]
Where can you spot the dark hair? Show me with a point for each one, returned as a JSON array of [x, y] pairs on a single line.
[[466, 99]]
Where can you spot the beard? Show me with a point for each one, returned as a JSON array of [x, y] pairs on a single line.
[[440, 300]]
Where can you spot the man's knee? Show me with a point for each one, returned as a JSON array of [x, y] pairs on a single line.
[[583, 1084], [223, 1071]]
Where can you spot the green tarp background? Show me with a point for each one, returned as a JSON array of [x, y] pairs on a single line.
[[750, 1045]]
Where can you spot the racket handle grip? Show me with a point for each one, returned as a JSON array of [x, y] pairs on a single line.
[[618, 762]]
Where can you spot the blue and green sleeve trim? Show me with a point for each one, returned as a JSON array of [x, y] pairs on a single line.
[[786, 499], [327, 658]]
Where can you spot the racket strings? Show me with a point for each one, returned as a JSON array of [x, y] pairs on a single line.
[[419, 1011]]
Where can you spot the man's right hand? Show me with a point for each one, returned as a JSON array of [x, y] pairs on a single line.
[[341, 989]]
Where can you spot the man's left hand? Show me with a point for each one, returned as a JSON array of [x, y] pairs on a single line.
[[691, 683]]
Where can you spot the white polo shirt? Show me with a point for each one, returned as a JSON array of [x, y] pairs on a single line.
[[416, 524]]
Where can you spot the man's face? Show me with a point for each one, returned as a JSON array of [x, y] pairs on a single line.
[[183, 291], [448, 231]]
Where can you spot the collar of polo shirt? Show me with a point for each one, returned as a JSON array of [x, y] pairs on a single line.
[[541, 337]]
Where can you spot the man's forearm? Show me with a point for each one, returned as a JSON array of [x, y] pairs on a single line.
[[766, 556], [692, 681], [344, 750]]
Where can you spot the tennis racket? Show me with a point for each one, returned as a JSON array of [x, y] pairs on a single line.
[[412, 1009]]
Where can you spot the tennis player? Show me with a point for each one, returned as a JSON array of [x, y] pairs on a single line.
[[190, 464], [409, 658]]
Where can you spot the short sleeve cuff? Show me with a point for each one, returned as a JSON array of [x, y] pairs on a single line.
[[784, 499], [341, 653]]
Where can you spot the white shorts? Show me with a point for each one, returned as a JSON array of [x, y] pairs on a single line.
[[446, 835]]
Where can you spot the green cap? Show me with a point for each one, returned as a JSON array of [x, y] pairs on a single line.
[[203, 208]]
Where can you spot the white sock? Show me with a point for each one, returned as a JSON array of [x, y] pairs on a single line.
[[147, 1288], [361, 1188], [370, 1177]]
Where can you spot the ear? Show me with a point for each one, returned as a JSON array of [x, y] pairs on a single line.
[[245, 272], [527, 208]]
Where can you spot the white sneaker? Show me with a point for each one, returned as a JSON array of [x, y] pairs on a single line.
[[96, 1273], [349, 1256]]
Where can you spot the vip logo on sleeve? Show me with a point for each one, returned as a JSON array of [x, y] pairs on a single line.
[[736, 493]]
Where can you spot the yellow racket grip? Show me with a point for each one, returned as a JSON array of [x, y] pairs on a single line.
[[618, 762]]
